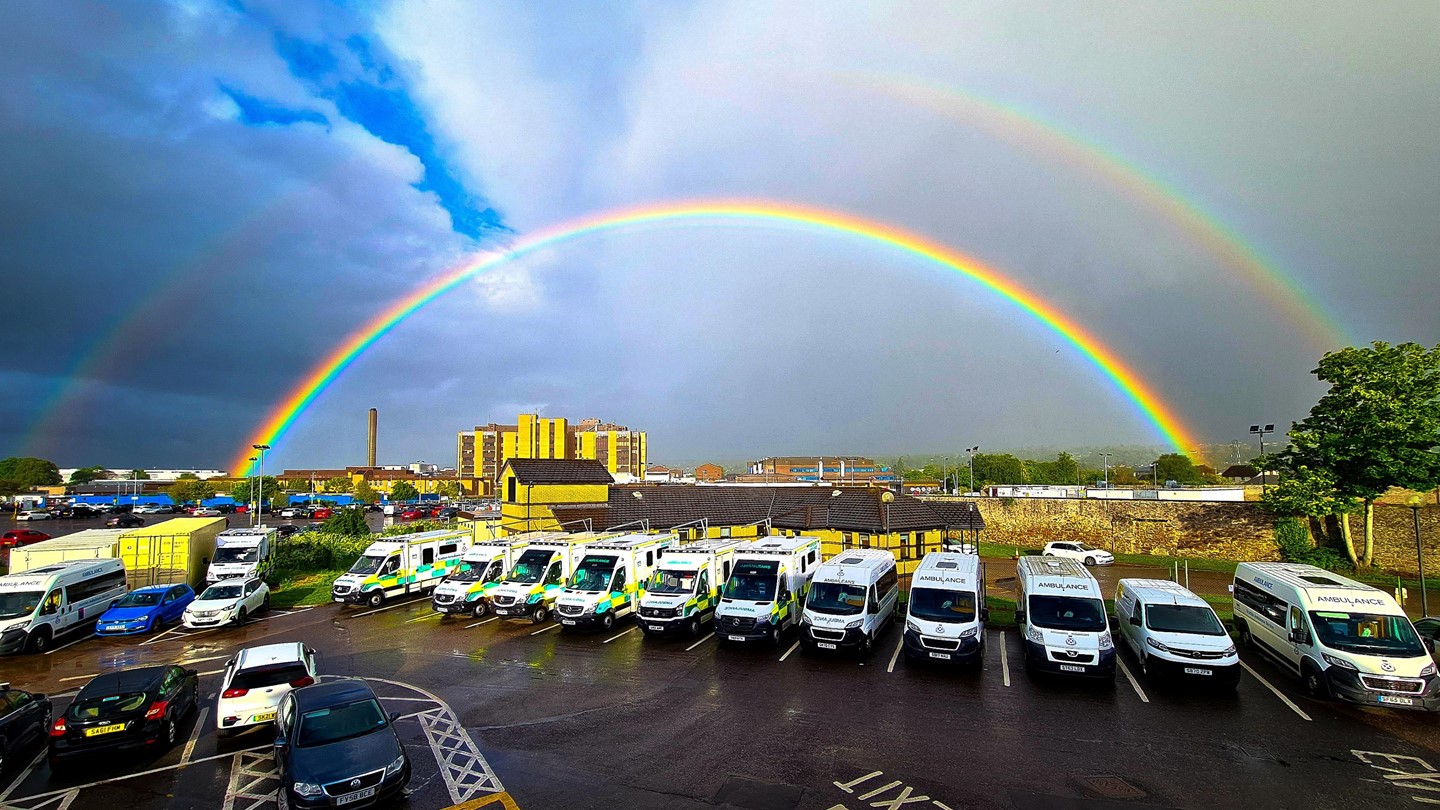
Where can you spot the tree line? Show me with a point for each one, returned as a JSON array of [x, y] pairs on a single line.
[[1001, 469]]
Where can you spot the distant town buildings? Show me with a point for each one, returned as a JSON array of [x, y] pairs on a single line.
[[708, 473], [166, 476], [817, 469], [481, 453]]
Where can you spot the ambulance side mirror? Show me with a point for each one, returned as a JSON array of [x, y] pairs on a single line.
[[1135, 620], [984, 614], [1019, 617]]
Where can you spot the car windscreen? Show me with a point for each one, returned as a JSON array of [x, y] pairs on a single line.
[[140, 599], [268, 675], [668, 581], [1183, 619], [593, 573], [367, 564], [1072, 613], [14, 604], [939, 605], [335, 723], [530, 567], [753, 580], [1367, 633], [100, 707], [471, 574], [216, 592], [237, 554], [836, 598]]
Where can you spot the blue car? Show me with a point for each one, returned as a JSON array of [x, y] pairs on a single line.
[[145, 609]]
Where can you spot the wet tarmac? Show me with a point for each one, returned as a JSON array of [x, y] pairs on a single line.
[[618, 720]]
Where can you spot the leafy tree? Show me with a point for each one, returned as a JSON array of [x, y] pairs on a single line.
[[448, 489], [347, 523], [190, 490], [139, 475], [1063, 471], [1179, 468], [997, 468], [85, 475], [1377, 427], [338, 484], [365, 493], [404, 491], [28, 472], [1121, 475], [188, 476], [244, 490]]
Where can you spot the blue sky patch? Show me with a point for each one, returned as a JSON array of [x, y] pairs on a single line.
[[258, 112]]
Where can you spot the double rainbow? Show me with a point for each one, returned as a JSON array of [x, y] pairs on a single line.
[[754, 212]]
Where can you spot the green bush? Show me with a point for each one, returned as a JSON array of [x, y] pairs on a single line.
[[1293, 538], [414, 527], [346, 523], [318, 552]]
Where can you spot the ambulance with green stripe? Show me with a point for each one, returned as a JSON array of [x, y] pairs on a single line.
[[609, 580], [766, 589], [538, 577], [684, 591], [467, 590], [402, 565]]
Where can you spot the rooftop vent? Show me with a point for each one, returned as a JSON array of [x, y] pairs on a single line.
[[852, 561], [946, 564], [1318, 580]]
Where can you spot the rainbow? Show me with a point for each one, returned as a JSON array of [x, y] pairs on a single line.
[[758, 212], [1026, 128]]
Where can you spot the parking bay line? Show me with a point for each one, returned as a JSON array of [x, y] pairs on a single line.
[[23, 775], [163, 768], [430, 615], [896, 656], [483, 621], [793, 648], [160, 635], [195, 735], [1277, 692], [389, 607], [1004, 660], [698, 643], [1131, 678], [625, 633], [544, 629]]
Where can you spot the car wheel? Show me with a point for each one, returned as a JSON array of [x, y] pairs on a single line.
[[39, 640], [3, 746], [266, 604], [480, 608], [243, 617], [539, 614], [376, 598], [170, 732], [607, 621], [692, 627], [774, 635], [1315, 685], [1089, 560]]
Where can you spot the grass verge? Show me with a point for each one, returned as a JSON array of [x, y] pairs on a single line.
[[306, 589]]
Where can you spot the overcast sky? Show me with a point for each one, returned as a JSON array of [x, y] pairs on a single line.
[[201, 198]]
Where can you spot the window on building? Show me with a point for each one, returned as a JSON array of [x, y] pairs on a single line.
[[725, 531]]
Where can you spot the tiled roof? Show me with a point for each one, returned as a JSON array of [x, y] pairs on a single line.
[[559, 471]]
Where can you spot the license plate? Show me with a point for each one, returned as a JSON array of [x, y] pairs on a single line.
[[1398, 701], [657, 627], [825, 645], [736, 638], [1198, 671], [941, 656], [1071, 668], [263, 717], [350, 798], [338, 600], [114, 627], [567, 621], [98, 730]]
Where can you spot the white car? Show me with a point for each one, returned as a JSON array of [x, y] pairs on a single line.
[[206, 511], [227, 601], [255, 681], [34, 514], [1088, 555], [291, 512]]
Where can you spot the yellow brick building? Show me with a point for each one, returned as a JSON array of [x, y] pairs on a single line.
[[531, 489], [481, 454]]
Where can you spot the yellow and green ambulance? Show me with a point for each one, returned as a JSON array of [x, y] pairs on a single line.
[[766, 589], [609, 580], [684, 589], [533, 584], [467, 590], [401, 565]]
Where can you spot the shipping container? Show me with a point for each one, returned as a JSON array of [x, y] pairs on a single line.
[[90, 544], [172, 551]]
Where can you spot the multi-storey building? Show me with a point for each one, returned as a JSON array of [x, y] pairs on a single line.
[[817, 469], [481, 453]]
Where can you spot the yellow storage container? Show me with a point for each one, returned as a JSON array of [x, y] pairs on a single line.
[[177, 550]]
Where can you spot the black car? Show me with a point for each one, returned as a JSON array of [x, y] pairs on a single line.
[[336, 746], [125, 521], [285, 530], [24, 717], [126, 710]]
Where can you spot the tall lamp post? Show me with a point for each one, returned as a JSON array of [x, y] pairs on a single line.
[[1105, 460], [1260, 431], [260, 481], [1414, 504], [970, 451], [254, 502]]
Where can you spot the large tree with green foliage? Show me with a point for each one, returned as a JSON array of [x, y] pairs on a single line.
[[85, 475], [448, 489], [190, 490], [346, 522], [139, 475], [28, 472], [404, 491], [1377, 427], [338, 484], [365, 493], [1179, 468], [1063, 471]]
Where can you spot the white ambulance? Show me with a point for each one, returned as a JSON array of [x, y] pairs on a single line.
[[1062, 618], [40, 605], [606, 584], [410, 563], [532, 585], [851, 600], [1342, 638], [684, 591], [766, 588], [945, 615], [467, 589], [241, 554]]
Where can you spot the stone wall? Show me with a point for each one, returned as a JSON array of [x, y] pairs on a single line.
[[1395, 538]]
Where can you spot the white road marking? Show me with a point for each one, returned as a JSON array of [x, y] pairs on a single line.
[[543, 629], [625, 633], [123, 777], [1004, 660], [79, 677], [896, 656], [847, 786], [423, 618], [1277, 692], [698, 643], [793, 648], [23, 774], [211, 672], [187, 634], [254, 780], [160, 635], [877, 791], [482, 621], [384, 698], [1131, 678], [195, 735], [71, 644], [198, 660], [389, 607]]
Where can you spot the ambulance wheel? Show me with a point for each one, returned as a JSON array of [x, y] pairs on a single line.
[[774, 636], [480, 609], [692, 627], [867, 645], [1246, 640], [607, 621], [1144, 665], [1315, 684], [376, 598], [538, 614], [39, 640]]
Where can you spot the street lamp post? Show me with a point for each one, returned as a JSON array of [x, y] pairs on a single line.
[[970, 451], [1414, 503], [1105, 460], [260, 481], [1260, 431], [254, 504]]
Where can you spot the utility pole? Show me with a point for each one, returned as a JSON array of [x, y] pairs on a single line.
[[970, 451], [1105, 459], [260, 482]]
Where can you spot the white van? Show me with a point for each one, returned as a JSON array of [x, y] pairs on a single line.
[[467, 589], [684, 591], [606, 583], [946, 614], [532, 585], [765, 590], [41, 604], [1175, 633], [851, 601], [1062, 618], [1344, 639], [241, 554], [406, 564]]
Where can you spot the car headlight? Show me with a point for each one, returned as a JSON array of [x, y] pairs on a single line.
[[306, 789], [909, 625], [1035, 634], [1427, 671], [970, 633], [1150, 642], [1230, 651], [1106, 643], [394, 767], [1339, 662], [853, 625]]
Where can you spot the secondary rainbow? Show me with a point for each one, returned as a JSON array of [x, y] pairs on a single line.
[[751, 212]]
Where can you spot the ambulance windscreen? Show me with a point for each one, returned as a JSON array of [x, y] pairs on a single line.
[[835, 598], [530, 567], [753, 581], [671, 582], [1367, 633], [593, 574], [937, 605]]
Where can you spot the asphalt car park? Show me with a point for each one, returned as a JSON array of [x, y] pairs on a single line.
[[517, 714]]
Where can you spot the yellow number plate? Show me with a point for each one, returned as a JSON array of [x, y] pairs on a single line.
[[98, 730], [261, 718]]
